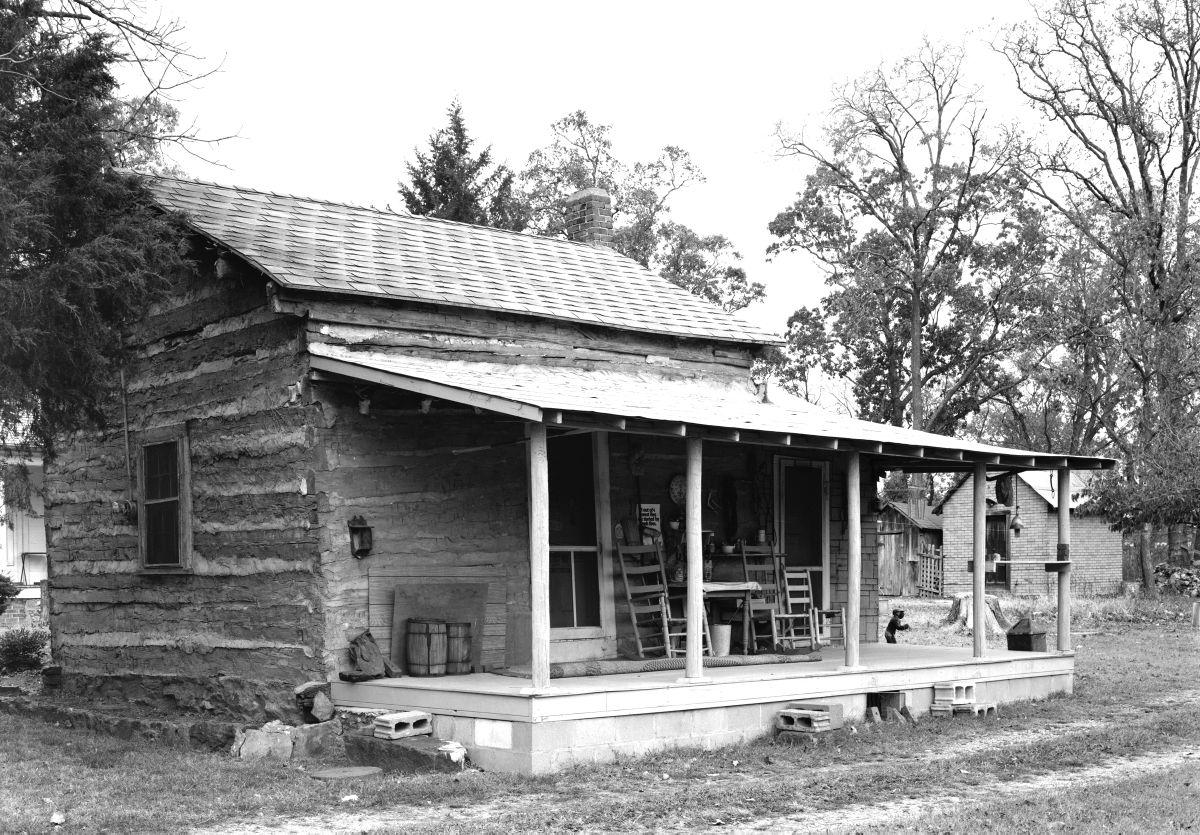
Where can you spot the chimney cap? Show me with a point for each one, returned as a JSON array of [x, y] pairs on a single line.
[[591, 191]]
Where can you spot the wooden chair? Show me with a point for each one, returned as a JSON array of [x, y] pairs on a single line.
[[831, 626], [796, 622], [760, 564], [645, 582], [644, 570]]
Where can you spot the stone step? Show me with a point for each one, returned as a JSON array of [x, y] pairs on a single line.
[[410, 755]]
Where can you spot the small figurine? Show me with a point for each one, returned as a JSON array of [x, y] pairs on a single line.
[[894, 626]]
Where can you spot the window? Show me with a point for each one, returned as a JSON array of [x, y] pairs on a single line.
[[574, 588], [574, 557], [165, 506]]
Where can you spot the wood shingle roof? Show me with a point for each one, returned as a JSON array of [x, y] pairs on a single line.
[[312, 245]]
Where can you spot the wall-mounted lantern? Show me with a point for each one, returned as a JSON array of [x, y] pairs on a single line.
[[1016, 524], [360, 537]]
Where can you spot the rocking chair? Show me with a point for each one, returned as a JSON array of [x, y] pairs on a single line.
[[796, 623]]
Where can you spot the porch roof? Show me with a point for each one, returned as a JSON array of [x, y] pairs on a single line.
[[665, 401]]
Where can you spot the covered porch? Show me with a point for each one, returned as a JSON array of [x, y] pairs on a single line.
[[537, 723], [508, 725]]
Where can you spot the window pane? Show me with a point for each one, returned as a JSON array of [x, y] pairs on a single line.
[[561, 610], [572, 491], [587, 590], [162, 533], [162, 471]]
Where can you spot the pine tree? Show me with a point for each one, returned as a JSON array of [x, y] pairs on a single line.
[[449, 181], [82, 251]]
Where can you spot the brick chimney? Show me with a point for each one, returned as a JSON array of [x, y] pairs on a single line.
[[589, 217]]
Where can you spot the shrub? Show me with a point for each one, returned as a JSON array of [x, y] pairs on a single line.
[[8, 590], [21, 649]]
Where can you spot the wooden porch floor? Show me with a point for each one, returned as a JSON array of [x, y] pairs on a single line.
[[883, 667]]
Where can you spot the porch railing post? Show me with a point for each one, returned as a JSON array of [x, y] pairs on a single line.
[[854, 550], [695, 561], [539, 556], [979, 552], [1064, 555]]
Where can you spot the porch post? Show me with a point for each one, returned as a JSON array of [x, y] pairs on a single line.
[[979, 552], [539, 556], [1064, 555], [854, 550], [695, 561]]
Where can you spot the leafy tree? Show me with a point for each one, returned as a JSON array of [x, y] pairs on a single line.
[[450, 181], [1120, 84], [82, 251], [8, 591], [580, 155], [1068, 399], [929, 252], [706, 265]]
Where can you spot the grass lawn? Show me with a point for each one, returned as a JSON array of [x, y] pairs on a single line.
[[1041, 762]]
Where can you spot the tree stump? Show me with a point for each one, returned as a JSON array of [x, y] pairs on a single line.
[[961, 615]]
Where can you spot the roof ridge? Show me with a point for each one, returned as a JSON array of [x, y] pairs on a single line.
[[405, 213]]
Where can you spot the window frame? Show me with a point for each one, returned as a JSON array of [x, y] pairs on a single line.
[[586, 630], [179, 436]]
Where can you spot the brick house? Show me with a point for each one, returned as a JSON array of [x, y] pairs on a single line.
[[342, 416], [1096, 550]]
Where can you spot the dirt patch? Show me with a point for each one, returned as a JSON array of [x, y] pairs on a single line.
[[456, 818], [896, 813]]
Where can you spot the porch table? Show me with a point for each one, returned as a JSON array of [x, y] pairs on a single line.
[[727, 590]]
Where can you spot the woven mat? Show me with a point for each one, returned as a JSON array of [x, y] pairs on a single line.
[[572, 669]]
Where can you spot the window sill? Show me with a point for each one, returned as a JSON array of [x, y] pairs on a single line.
[[576, 633], [164, 569]]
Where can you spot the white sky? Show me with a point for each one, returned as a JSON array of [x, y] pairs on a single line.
[[328, 100]]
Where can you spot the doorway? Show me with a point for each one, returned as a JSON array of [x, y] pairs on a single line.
[[802, 513], [996, 540]]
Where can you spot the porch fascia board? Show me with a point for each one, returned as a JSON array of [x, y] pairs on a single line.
[[495, 697], [422, 386]]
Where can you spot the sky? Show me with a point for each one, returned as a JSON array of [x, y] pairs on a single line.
[[328, 100]]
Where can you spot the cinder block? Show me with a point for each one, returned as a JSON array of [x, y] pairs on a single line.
[[936, 709], [834, 709], [954, 693], [978, 709], [406, 723], [807, 721]]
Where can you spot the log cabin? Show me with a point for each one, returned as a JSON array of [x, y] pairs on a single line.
[[344, 417]]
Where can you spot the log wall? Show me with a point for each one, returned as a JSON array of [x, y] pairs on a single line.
[[245, 624], [491, 337], [436, 516]]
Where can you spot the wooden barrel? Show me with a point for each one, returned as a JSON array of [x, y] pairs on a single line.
[[426, 647], [458, 648]]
